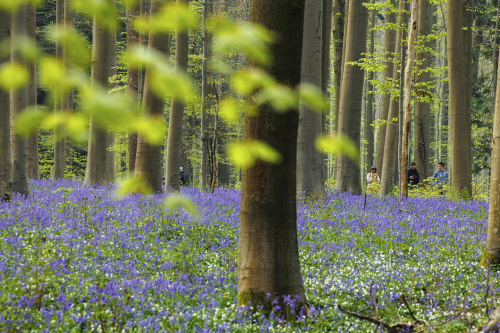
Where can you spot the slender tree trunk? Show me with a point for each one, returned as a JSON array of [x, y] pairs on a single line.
[[33, 172], [96, 171], [403, 179], [459, 69], [176, 116], [325, 73], [5, 152], [110, 153], [495, 54], [149, 157], [204, 102], [132, 79], [268, 260], [348, 178], [390, 46], [391, 135], [18, 102], [309, 159], [423, 115], [59, 141], [369, 104]]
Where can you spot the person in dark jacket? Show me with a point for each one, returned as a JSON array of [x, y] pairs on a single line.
[[413, 177], [184, 178]]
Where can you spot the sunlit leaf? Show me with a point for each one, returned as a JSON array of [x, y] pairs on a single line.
[[246, 81], [75, 45], [245, 153], [26, 48], [137, 57], [170, 83], [230, 110], [53, 75], [27, 121], [312, 96], [337, 145], [133, 185], [102, 10], [171, 17], [130, 3], [13, 76], [175, 201], [281, 98], [152, 129]]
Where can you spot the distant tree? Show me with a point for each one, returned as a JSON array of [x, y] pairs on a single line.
[[5, 152], [309, 160], [59, 139], [148, 159], [18, 102], [176, 116], [368, 119], [32, 170], [268, 260], [348, 176], [459, 29]]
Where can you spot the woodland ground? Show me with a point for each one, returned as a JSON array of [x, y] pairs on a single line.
[[76, 259]]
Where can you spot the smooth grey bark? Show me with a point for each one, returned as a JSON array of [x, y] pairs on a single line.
[[326, 49], [5, 152], [203, 177], [348, 177], [149, 157], [369, 138], [390, 46], [309, 159], [59, 140], [18, 102], [268, 260], [176, 116], [33, 170]]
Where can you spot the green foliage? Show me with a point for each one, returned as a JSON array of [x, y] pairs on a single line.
[[132, 185], [337, 145], [171, 17], [173, 202], [245, 153], [13, 76], [103, 11]]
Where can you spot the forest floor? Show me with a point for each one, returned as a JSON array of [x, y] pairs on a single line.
[[76, 259]]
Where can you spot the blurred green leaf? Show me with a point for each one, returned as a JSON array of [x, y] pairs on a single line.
[[54, 75], [247, 81], [171, 83], [337, 145], [281, 98], [137, 57], [171, 17], [76, 47], [73, 125], [27, 48], [152, 129], [245, 153], [102, 10], [230, 110], [175, 201], [130, 3], [133, 185], [27, 121], [312, 96], [13, 76]]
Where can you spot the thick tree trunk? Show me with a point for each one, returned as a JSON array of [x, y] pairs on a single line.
[[5, 152], [18, 102], [491, 254], [370, 143], [325, 74], [207, 7], [132, 80], [459, 69], [348, 177], [390, 46], [96, 171], [149, 157], [423, 115], [59, 140], [309, 159], [110, 158], [268, 260], [176, 116], [403, 179], [33, 172], [391, 135]]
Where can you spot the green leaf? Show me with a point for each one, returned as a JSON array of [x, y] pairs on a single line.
[[170, 17], [54, 75], [130, 3], [171, 83], [153, 129], [103, 11], [132, 185], [247, 81], [78, 51], [245, 153], [312, 96], [230, 110], [13, 76], [27, 121], [176, 201], [281, 97], [337, 145]]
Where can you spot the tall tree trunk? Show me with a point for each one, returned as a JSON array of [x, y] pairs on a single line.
[[110, 158], [18, 102], [149, 157], [96, 171], [403, 179], [5, 152], [59, 141], [390, 46], [391, 135], [369, 103], [348, 178], [325, 73], [176, 116], [309, 159], [268, 260], [33, 172], [132, 79], [423, 115], [459, 46]]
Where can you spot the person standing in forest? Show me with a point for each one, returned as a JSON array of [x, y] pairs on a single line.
[[184, 178], [440, 177], [373, 181], [413, 176]]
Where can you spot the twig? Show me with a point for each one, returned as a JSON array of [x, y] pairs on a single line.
[[364, 206], [374, 302]]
